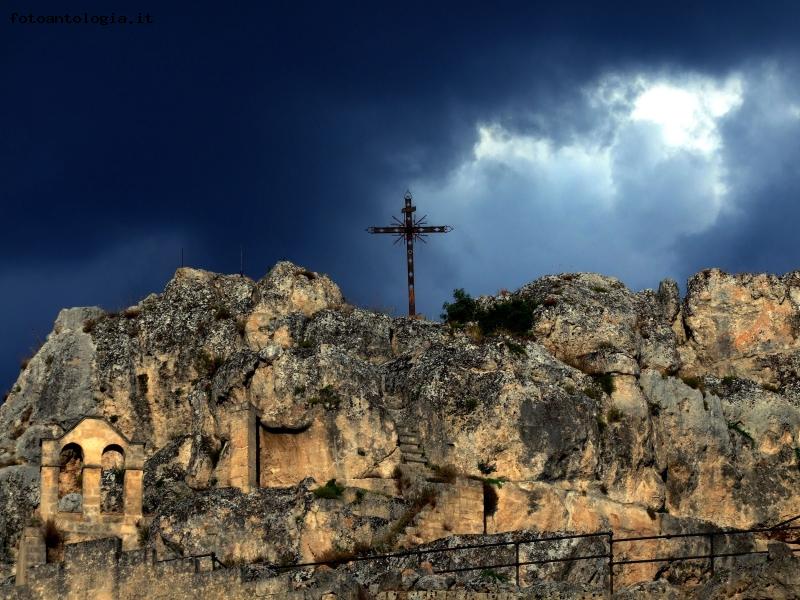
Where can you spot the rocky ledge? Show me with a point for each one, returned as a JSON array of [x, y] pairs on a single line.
[[638, 412]]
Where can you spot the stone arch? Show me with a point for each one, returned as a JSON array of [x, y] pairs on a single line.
[[70, 478], [112, 479], [101, 445]]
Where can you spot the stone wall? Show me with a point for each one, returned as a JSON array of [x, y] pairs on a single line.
[[102, 571]]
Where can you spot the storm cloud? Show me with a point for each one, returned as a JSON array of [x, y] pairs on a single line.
[[642, 142]]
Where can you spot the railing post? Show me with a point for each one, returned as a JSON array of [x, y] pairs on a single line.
[[516, 560], [611, 564], [711, 544]]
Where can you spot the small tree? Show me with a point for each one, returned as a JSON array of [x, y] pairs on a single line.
[[463, 310]]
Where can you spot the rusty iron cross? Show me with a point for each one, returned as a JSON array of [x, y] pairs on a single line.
[[410, 229]]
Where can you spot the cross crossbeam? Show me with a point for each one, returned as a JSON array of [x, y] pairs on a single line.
[[410, 229]]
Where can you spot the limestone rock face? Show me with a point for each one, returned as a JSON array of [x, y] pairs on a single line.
[[743, 325], [585, 423]]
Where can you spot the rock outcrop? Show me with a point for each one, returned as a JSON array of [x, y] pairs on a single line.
[[633, 411]]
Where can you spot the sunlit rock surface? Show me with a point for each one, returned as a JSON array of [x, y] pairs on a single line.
[[633, 411]]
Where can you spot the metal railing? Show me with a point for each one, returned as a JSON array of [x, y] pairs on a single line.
[[196, 558], [608, 555]]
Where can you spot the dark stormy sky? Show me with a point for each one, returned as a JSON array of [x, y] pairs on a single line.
[[642, 140]]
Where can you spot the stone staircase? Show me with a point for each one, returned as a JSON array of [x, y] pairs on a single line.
[[411, 452]]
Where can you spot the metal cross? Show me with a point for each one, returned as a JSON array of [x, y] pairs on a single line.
[[410, 228]]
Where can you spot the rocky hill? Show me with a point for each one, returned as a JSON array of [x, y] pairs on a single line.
[[637, 412]]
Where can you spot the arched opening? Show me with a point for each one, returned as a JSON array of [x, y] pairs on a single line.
[[112, 479], [70, 479]]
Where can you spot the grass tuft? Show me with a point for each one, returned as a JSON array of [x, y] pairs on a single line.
[[330, 490], [327, 398]]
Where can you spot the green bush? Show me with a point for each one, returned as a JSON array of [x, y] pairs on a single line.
[[330, 490], [491, 575], [514, 316], [495, 481], [463, 310]]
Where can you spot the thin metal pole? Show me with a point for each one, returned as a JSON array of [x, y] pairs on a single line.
[[241, 260], [611, 563], [516, 560], [711, 540]]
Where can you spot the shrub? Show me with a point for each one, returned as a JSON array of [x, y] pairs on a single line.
[[491, 575], [463, 310], [359, 496], [305, 344], [487, 468], [327, 397], [514, 316], [516, 349], [728, 380], [241, 326], [474, 333], [737, 427], [53, 538], [696, 383], [208, 364], [330, 490], [496, 481], [222, 312], [614, 415], [593, 392], [606, 382], [143, 533], [471, 404]]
